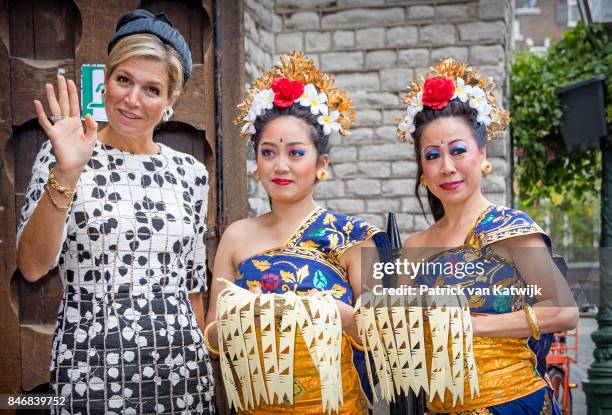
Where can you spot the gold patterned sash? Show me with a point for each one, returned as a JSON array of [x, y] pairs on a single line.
[[307, 386], [506, 371]]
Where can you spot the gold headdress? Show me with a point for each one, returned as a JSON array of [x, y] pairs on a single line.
[[449, 80], [296, 79]]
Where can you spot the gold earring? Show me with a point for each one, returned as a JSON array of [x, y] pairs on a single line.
[[256, 175], [422, 182], [486, 167], [322, 175]]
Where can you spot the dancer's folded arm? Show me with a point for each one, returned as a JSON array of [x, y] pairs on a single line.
[[556, 308]]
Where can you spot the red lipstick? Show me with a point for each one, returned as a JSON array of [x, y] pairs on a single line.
[[282, 182], [451, 185]]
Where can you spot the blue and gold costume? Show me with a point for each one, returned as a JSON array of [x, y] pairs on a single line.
[[510, 370], [311, 259]]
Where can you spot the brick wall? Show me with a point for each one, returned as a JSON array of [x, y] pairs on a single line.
[[546, 21], [375, 48]]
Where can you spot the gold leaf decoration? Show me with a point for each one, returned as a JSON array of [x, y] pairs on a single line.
[[261, 265], [393, 331], [348, 227], [333, 240], [262, 372], [337, 291], [309, 245], [329, 219], [476, 301], [287, 276]]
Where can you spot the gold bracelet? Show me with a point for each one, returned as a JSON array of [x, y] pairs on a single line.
[[54, 202], [53, 184], [211, 350], [532, 319], [353, 343]]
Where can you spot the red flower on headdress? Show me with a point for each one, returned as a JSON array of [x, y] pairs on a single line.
[[437, 92], [286, 91]]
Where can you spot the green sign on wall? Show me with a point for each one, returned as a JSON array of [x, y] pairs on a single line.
[[92, 80]]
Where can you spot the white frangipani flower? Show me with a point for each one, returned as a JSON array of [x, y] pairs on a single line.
[[313, 99], [477, 98], [416, 103], [249, 125], [478, 101], [407, 124], [484, 119], [329, 122], [461, 90], [263, 100], [484, 114]]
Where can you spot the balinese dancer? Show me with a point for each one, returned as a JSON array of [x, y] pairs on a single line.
[[451, 115], [298, 247]]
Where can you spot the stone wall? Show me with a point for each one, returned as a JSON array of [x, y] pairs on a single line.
[[375, 48]]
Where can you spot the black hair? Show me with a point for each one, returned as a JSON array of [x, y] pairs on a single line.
[[319, 139], [455, 108]]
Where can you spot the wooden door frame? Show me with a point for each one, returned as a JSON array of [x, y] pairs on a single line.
[[10, 349], [229, 89], [231, 150]]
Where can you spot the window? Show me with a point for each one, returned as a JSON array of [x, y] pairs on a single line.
[[518, 36], [573, 13], [527, 7], [601, 10]]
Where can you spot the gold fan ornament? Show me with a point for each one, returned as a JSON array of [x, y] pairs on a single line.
[[392, 329], [251, 380]]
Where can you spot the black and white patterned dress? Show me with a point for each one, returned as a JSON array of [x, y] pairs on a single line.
[[126, 340]]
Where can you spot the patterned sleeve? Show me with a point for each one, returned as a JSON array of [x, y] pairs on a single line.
[[44, 162], [355, 231], [504, 223], [196, 278]]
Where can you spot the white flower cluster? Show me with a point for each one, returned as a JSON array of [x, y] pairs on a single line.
[[474, 95], [264, 100]]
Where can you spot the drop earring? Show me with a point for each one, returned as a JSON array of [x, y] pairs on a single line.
[[168, 112], [486, 167], [321, 175], [422, 182], [256, 175]]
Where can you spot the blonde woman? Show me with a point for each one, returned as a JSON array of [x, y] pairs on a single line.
[[124, 218]]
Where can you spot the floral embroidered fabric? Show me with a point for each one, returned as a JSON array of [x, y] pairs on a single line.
[[507, 367], [311, 259]]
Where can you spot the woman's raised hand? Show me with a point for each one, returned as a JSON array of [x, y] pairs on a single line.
[[72, 145]]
